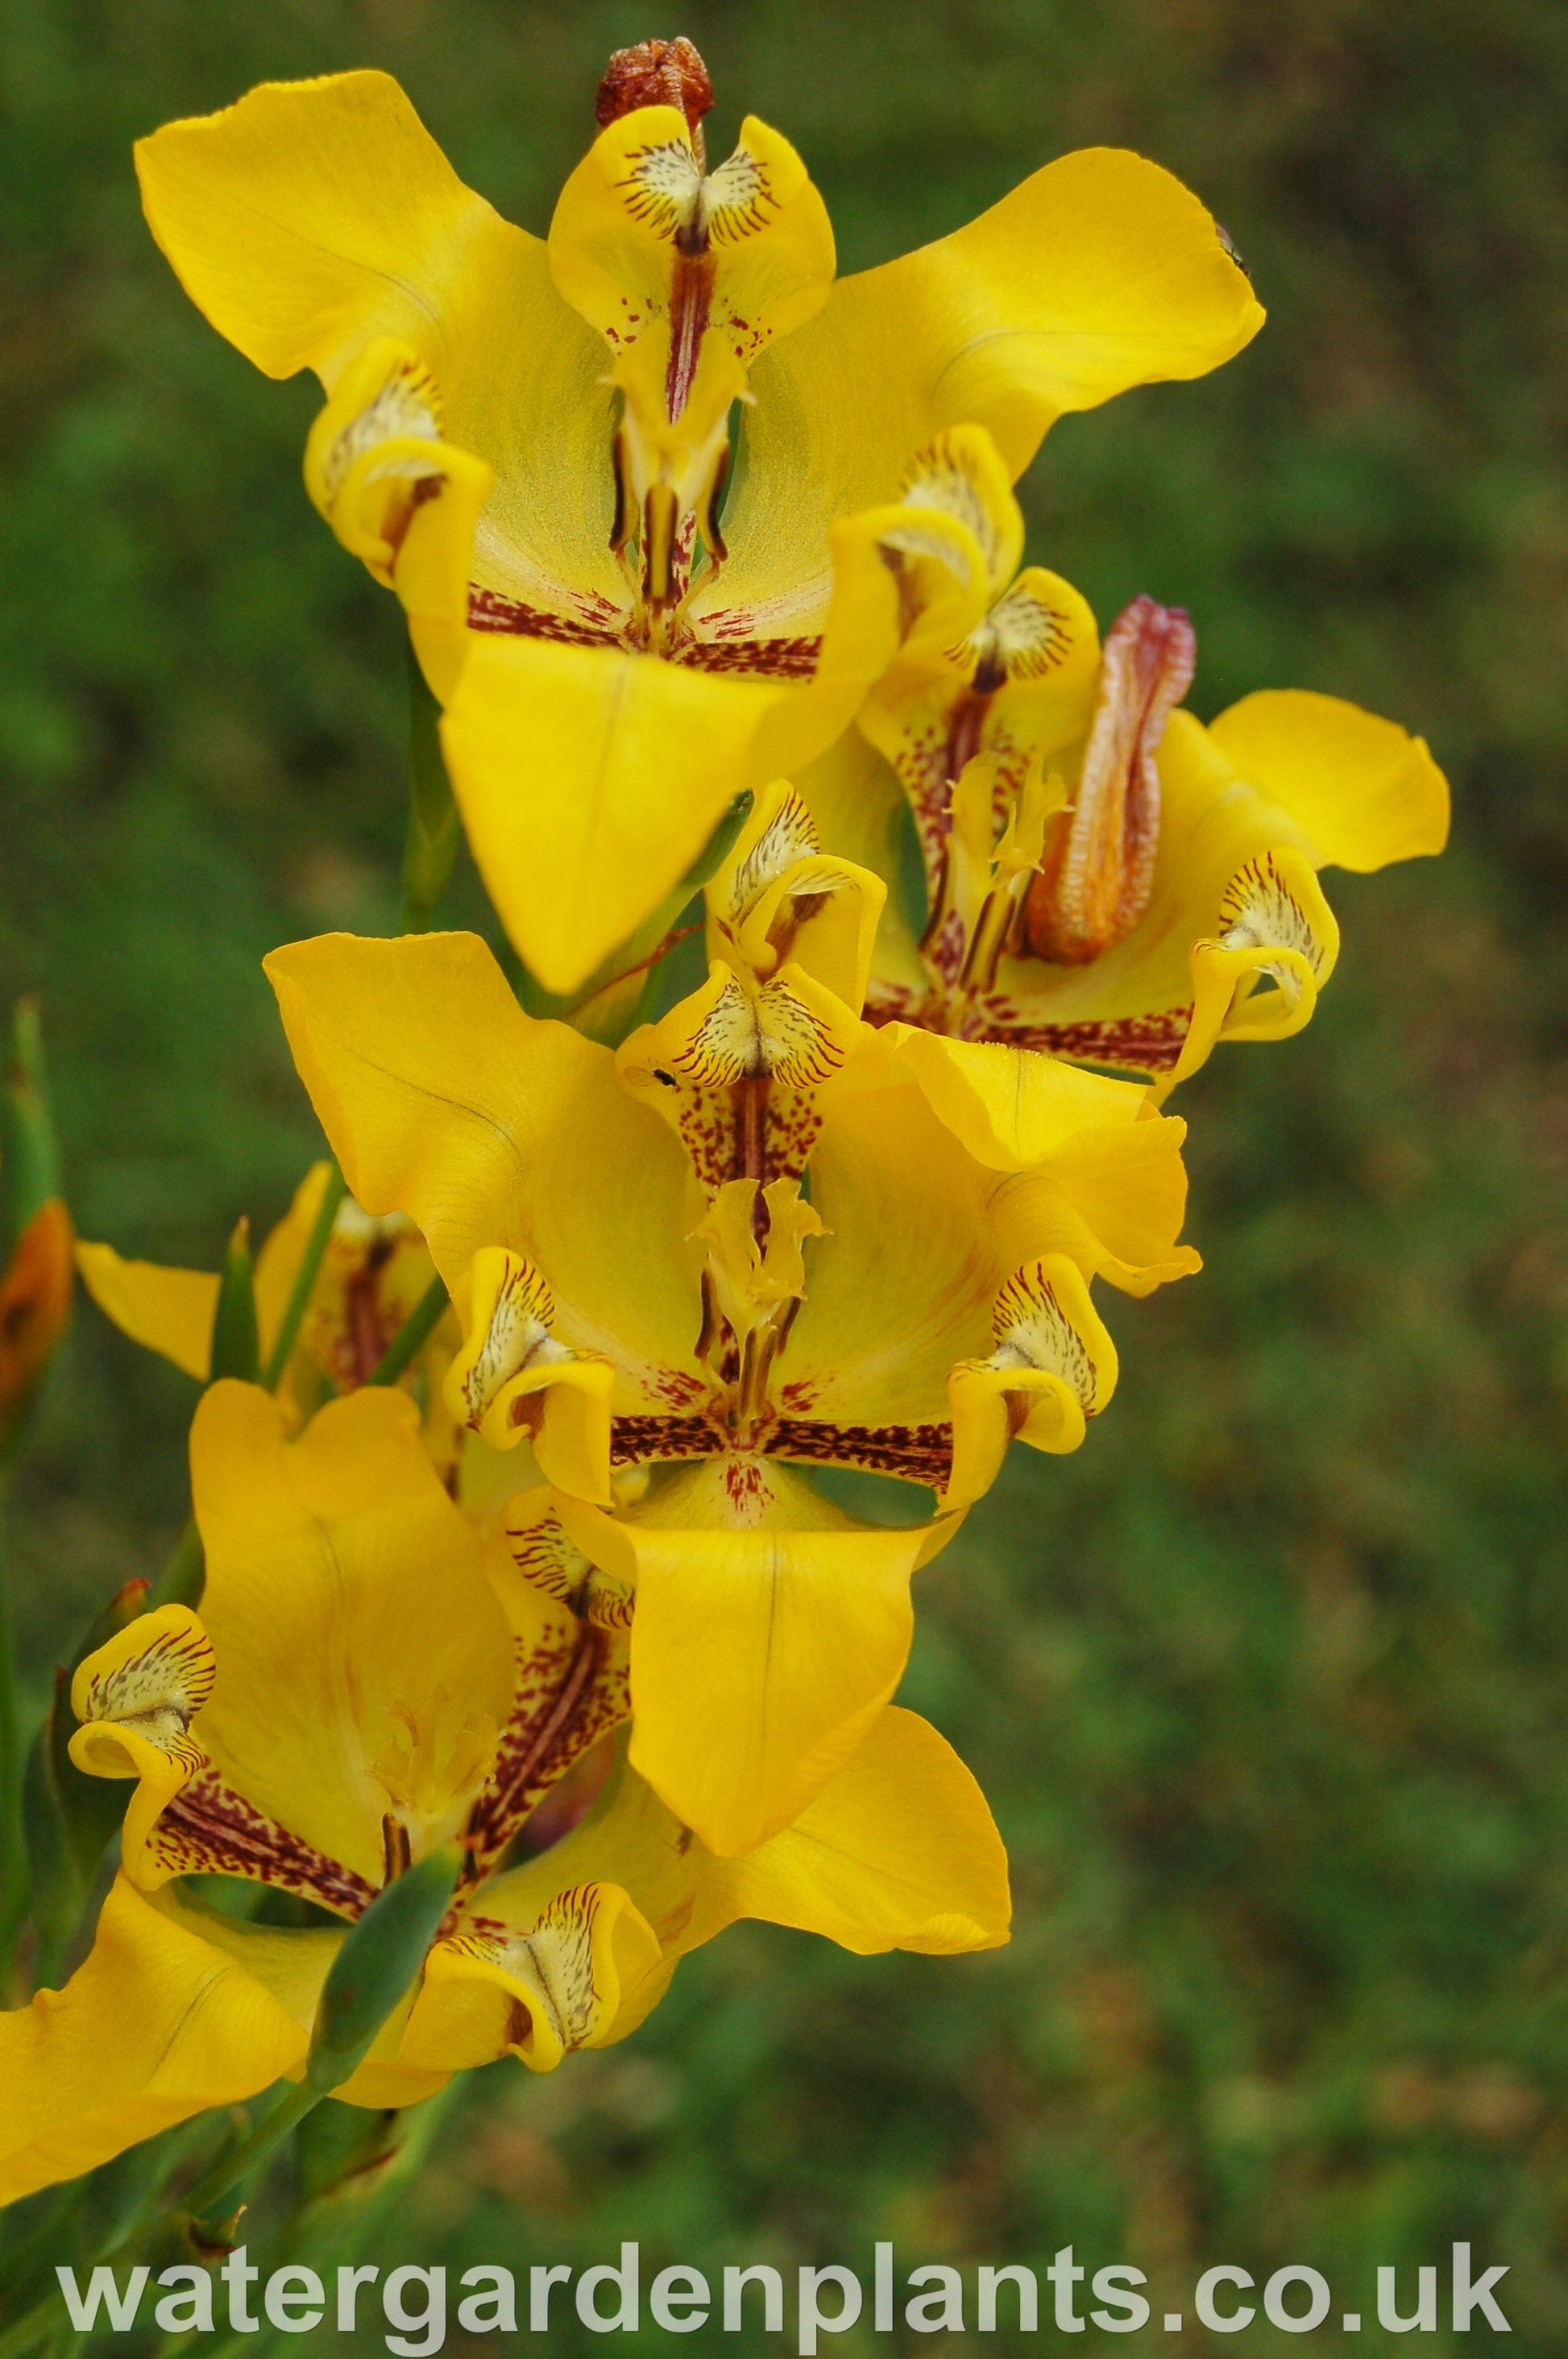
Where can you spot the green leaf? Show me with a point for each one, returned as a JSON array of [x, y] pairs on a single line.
[[236, 1339]]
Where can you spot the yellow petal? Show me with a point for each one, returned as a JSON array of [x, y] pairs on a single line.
[[759, 1656], [897, 1852], [313, 218], [1113, 1200], [589, 782], [1276, 931], [444, 1101], [397, 495], [1363, 790], [169, 1310], [1098, 273], [356, 1637], [279, 1261], [1010, 1107], [920, 1234], [173, 2011]]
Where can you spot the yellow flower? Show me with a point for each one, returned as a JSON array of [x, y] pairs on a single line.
[[647, 1283], [1107, 879], [529, 439], [366, 1680], [373, 1275]]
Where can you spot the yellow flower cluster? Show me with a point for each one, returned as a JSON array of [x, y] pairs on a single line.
[[712, 562]]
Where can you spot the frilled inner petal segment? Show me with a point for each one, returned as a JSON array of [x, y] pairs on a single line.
[[136, 1698]]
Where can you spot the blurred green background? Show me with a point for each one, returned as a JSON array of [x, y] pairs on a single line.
[[1269, 1684]]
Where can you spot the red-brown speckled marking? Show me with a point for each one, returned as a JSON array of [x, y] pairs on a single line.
[[210, 1830]]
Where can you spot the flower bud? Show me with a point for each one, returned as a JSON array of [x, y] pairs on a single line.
[[236, 1338], [36, 1237], [380, 1959]]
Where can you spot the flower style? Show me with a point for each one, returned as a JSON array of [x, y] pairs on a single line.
[[627, 1238], [1167, 897], [363, 1682], [531, 440]]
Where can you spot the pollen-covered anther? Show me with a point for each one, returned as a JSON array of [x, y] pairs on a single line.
[[1260, 911], [1097, 870], [143, 1690], [429, 1767]]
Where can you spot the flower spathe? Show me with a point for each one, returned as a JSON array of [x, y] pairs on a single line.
[[528, 438]]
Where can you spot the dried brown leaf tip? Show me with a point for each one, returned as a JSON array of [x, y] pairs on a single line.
[[656, 73]]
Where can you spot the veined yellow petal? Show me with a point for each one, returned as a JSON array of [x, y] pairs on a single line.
[[537, 1982], [1112, 1200], [589, 782], [777, 897], [1363, 790], [397, 495], [1284, 783], [511, 1377], [1098, 273], [169, 1310], [1277, 931], [897, 1852], [313, 218], [919, 1233], [135, 1698], [277, 1264], [443, 1100], [1011, 1107], [363, 1664], [661, 257], [759, 1656], [173, 2011], [1052, 1367], [310, 217]]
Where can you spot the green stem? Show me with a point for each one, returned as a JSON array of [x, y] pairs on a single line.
[[261, 2143], [180, 1581], [30, 2325], [411, 1337], [432, 840], [14, 1886], [305, 1278]]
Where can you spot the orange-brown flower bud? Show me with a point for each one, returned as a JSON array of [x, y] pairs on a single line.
[[656, 73], [35, 1298]]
